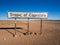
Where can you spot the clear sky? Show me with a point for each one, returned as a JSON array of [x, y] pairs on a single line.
[[50, 6]]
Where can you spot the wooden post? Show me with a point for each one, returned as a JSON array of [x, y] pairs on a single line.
[[15, 26], [28, 26], [41, 27]]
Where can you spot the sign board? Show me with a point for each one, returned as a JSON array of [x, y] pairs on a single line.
[[27, 15]]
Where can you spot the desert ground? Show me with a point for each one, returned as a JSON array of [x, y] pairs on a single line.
[[50, 32]]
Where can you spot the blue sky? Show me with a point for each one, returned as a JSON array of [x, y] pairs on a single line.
[[50, 6]]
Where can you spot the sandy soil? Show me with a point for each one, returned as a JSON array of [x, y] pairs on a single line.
[[50, 33]]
